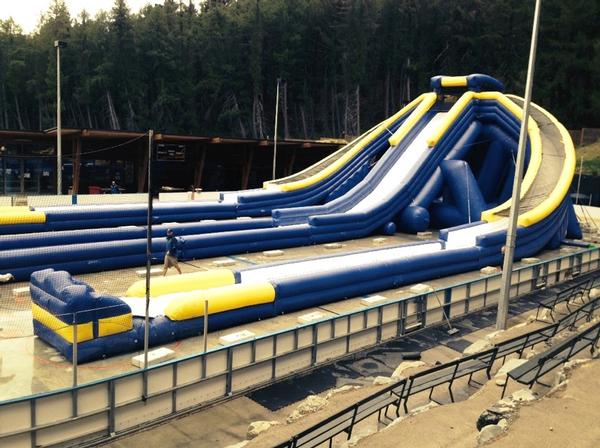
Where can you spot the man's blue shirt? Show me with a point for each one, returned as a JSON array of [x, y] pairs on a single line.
[[172, 246]]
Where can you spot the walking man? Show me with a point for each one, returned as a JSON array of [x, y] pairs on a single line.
[[171, 254], [114, 187]]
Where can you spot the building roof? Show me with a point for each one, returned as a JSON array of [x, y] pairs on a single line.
[[105, 134]]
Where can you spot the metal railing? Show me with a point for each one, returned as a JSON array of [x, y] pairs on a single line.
[[122, 403], [394, 394]]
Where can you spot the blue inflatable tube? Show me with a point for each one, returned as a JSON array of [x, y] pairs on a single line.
[[244, 236], [435, 180], [253, 203], [291, 294]]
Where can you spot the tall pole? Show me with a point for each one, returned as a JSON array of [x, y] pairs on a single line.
[[579, 181], [276, 121], [511, 234], [58, 44], [148, 250]]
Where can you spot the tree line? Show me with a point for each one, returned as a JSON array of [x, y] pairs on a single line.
[[212, 67]]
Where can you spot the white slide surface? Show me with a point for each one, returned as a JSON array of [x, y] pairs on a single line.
[[400, 171], [319, 265]]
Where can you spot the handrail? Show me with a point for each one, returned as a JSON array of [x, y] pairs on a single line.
[[339, 163], [427, 103], [320, 428], [450, 118], [269, 184]]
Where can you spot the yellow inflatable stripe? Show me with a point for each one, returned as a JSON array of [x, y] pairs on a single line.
[[450, 118], [428, 101], [454, 81], [85, 331], [182, 283], [222, 299], [535, 158], [561, 189], [270, 185], [22, 217], [115, 324], [10, 209], [339, 163]]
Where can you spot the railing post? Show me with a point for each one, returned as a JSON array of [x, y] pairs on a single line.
[[229, 374], [313, 352], [33, 421], [74, 348], [111, 407], [205, 329], [379, 323]]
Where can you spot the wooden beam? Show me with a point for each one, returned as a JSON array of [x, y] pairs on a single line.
[[76, 164], [142, 173], [199, 168], [289, 169], [247, 168]]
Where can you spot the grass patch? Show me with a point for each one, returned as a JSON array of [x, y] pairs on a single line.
[[591, 159]]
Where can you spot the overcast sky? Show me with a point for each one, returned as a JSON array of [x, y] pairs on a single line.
[[27, 13]]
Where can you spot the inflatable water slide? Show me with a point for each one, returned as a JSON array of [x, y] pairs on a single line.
[[96, 238], [361, 189], [448, 165], [317, 184]]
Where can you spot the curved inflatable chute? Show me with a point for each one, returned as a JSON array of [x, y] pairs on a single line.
[[438, 159]]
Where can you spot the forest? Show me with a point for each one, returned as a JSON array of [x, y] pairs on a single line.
[[212, 67]]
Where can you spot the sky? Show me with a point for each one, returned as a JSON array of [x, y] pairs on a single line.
[[27, 13]]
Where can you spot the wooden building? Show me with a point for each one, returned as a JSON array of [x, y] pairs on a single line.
[[92, 158]]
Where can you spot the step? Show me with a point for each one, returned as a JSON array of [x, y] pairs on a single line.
[[310, 317], [154, 272], [19, 293], [489, 270], [239, 336], [420, 288], [373, 300], [155, 356], [273, 253], [223, 263]]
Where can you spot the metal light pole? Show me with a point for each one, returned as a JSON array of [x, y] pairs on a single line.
[[148, 251], [276, 121], [502, 315], [58, 44]]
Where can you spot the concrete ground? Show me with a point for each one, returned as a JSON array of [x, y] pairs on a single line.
[[227, 424], [29, 366]]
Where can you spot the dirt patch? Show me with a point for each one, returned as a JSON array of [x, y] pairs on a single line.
[[568, 417]]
